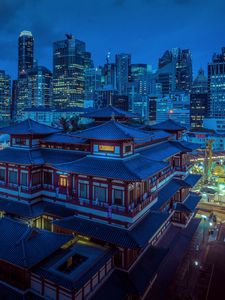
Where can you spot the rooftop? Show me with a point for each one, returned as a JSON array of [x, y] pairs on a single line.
[[25, 246], [136, 237], [108, 112], [113, 130], [168, 125], [29, 127]]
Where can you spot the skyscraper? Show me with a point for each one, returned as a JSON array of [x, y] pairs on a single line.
[[198, 100], [25, 52], [39, 87], [70, 60], [123, 62], [5, 96], [175, 71], [138, 92], [25, 64], [216, 86]]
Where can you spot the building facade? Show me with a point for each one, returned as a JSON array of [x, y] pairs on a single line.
[[70, 60], [39, 87], [5, 96], [216, 86], [123, 62], [199, 100], [25, 52]]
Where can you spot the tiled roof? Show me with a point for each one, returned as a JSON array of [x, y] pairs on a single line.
[[186, 146], [192, 179], [168, 191], [137, 237], [168, 125], [24, 246], [133, 168], [122, 284], [58, 156], [29, 210], [21, 156], [64, 138], [160, 151], [109, 112], [29, 127], [38, 156], [113, 130], [189, 205]]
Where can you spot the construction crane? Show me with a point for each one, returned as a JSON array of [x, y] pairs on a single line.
[[208, 161]]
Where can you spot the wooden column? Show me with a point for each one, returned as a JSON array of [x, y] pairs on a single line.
[[6, 174], [91, 190], [110, 192], [126, 197]]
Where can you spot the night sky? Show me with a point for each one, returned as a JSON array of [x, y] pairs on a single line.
[[144, 28]]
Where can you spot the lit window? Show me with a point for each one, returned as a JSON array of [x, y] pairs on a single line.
[[63, 181], [106, 148]]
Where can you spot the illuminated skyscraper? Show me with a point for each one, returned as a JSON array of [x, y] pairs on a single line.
[[70, 60], [5, 96], [216, 86], [175, 71], [25, 52], [198, 100], [39, 87], [123, 62]]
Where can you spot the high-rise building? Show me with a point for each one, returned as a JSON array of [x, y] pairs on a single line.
[[175, 71], [216, 86], [70, 60], [14, 99], [39, 87], [198, 100], [139, 101], [93, 82], [5, 96], [25, 52], [25, 64], [123, 62], [109, 74], [184, 71]]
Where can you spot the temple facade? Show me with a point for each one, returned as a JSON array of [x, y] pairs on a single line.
[[114, 189]]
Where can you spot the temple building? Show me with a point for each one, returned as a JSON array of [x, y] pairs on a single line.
[[103, 197]]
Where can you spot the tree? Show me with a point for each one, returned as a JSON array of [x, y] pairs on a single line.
[[64, 123], [74, 121]]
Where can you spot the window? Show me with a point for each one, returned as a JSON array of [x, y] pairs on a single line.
[[48, 178], [83, 190], [127, 148], [13, 177], [100, 193], [36, 178], [106, 148], [2, 174], [118, 197], [23, 179], [63, 181], [21, 141]]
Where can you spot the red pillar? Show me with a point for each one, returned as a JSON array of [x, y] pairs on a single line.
[[126, 197], [90, 190], [110, 192]]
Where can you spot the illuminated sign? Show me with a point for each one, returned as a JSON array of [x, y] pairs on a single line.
[[106, 148]]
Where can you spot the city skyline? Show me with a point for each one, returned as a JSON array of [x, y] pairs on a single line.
[[200, 33]]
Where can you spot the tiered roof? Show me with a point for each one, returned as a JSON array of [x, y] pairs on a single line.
[[113, 130], [25, 246], [168, 125], [137, 237], [29, 127], [133, 168], [108, 112]]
